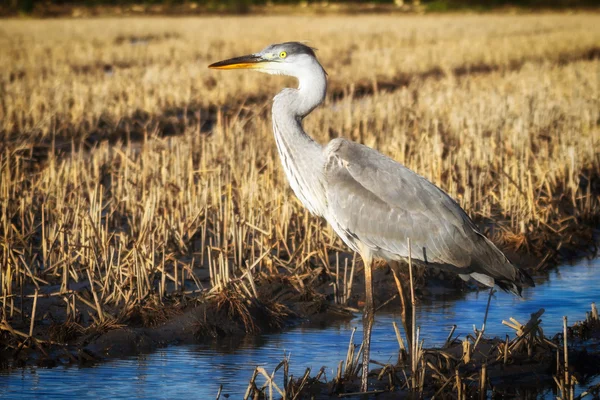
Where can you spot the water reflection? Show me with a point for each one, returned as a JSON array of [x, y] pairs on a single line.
[[197, 371]]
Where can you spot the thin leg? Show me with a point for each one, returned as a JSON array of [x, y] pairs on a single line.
[[407, 322], [406, 305], [368, 316], [487, 308]]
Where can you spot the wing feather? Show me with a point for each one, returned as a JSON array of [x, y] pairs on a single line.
[[380, 203]]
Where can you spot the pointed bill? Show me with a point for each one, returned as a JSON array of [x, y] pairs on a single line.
[[251, 61]]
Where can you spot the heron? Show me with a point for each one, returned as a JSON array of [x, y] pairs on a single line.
[[371, 201]]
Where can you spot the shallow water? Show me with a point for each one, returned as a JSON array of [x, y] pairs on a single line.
[[197, 371]]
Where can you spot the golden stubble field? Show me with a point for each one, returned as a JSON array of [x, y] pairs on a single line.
[[126, 164]]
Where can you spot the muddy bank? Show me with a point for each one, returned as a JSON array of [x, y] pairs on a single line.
[[77, 334], [186, 317], [82, 336]]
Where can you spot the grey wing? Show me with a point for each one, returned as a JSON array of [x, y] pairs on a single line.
[[379, 203]]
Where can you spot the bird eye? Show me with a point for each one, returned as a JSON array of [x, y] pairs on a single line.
[[283, 54]]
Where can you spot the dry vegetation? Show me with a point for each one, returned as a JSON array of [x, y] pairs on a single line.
[[131, 172], [461, 369]]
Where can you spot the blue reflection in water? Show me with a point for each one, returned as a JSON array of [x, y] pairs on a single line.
[[197, 371]]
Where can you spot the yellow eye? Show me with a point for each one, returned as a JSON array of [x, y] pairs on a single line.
[[283, 54]]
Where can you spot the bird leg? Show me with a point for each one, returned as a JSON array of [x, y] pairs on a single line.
[[368, 316], [487, 308], [407, 310]]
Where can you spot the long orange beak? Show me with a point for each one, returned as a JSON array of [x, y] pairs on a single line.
[[244, 62]]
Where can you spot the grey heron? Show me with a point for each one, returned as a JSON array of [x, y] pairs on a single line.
[[372, 202]]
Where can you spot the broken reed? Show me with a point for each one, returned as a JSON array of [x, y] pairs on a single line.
[[81, 242], [144, 216], [439, 372]]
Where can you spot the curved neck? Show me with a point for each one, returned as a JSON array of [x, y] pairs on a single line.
[[301, 156], [312, 87]]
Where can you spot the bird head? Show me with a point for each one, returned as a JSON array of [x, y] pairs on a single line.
[[290, 58]]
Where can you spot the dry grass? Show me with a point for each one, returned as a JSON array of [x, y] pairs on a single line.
[[460, 369], [54, 73], [500, 111]]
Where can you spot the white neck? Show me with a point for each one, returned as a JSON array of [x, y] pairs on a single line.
[[300, 155]]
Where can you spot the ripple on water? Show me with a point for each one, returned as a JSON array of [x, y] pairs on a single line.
[[197, 371]]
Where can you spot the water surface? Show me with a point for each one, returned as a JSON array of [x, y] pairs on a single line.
[[197, 371]]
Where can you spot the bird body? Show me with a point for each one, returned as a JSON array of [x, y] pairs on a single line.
[[380, 203], [374, 203]]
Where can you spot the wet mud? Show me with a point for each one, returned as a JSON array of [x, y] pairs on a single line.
[[184, 317], [83, 337]]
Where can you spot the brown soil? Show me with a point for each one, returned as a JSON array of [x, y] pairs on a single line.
[[183, 318], [190, 317]]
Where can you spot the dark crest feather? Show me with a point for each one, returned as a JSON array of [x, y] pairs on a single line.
[[295, 48]]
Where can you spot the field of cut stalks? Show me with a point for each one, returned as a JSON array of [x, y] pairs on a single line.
[[132, 175]]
